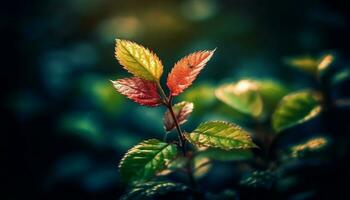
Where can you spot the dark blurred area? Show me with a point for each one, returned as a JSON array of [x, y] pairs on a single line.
[[66, 128]]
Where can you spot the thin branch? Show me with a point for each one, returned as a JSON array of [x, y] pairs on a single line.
[[170, 108], [182, 141]]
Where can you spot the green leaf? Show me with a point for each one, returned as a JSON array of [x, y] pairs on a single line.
[[202, 95], [311, 64], [242, 96], [305, 63], [155, 190], [144, 160], [223, 155], [271, 92], [294, 109], [220, 134], [138, 60]]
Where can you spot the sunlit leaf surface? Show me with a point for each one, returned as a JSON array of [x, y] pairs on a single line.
[[144, 160], [141, 91], [311, 145], [242, 96], [271, 92], [186, 70], [305, 63], [220, 134], [201, 166], [324, 63], [311, 64], [138, 60], [295, 109]]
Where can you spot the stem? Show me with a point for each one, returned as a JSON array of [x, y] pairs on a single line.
[[182, 141], [178, 128], [179, 131], [183, 148]]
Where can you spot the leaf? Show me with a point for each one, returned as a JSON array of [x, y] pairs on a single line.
[[141, 91], [311, 64], [312, 145], [186, 70], [155, 190], [201, 166], [182, 111], [138, 60], [223, 155], [202, 95], [324, 64], [242, 96], [306, 63], [294, 109], [221, 135], [271, 93], [144, 160]]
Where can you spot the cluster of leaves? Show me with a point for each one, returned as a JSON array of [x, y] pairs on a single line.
[[276, 112], [269, 105], [153, 157]]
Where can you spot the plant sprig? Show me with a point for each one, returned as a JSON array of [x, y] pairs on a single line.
[[144, 161]]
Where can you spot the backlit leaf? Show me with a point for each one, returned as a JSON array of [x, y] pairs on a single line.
[[221, 135], [186, 70], [311, 64], [201, 166], [305, 63], [155, 190], [312, 145], [242, 96], [144, 160], [181, 110], [271, 93], [141, 91], [202, 95], [138, 60], [325, 63], [295, 109]]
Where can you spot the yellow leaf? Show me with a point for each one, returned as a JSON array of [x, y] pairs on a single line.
[[138, 60]]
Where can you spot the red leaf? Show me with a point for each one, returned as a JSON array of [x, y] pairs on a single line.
[[141, 91], [186, 70], [182, 111]]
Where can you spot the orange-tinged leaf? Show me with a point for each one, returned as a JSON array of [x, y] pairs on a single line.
[[186, 70], [139, 90], [182, 111], [138, 60]]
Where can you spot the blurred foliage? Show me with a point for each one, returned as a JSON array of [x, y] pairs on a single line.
[[258, 179], [156, 190], [314, 144], [295, 109]]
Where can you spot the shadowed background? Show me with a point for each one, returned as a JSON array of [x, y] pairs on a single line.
[[66, 128]]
